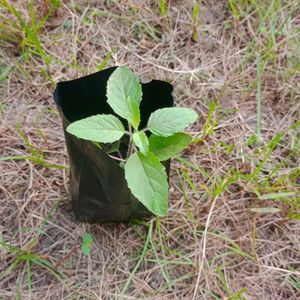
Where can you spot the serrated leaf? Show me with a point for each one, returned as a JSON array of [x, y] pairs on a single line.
[[167, 121], [98, 128], [124, 94], [166, 147], [134, 111], [141, 141], [147, 180]]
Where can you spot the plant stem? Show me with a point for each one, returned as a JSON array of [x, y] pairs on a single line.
[[116, 158], [130, 142]]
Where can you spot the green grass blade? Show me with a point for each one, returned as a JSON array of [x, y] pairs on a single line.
[[193, 166], [234, 9], [16, 157], [40, 24], [162, 7], [195, 18], [106, 59], [161, 263], [28, 271], [258, 96], [30, 33], [139, 262]]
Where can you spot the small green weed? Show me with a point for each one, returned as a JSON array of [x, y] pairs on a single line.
[[162, 7], [195, 18], [211, 122], [37, 155], [25, 257], [140, 260], [31, 29], [225, 286], [87, 243]]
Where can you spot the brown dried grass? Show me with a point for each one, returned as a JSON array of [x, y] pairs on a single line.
[[211, 245]]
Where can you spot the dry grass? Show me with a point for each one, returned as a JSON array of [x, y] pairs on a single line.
[[215, 243]]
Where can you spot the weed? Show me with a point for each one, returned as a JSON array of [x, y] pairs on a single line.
[[225, 286], [31, 42], [37, 155], [210, 123], [259, 69], [140, 260], [27, 258], [86, 245], [195, 18], [106, 59], [162, 7], [252, 246]]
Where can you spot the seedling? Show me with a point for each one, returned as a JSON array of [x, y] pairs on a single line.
[[87, 243], [161, 139]]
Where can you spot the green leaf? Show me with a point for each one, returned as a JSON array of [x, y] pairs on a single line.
[[88, 239], [147, 180], [87, 244], [167, 121], [86, 250], [141, 141], [166, 147], [99, 128], [124, 94]]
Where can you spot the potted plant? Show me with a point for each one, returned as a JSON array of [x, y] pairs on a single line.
[[120, 136]]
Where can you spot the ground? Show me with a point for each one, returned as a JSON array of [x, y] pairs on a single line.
[[233, 228]]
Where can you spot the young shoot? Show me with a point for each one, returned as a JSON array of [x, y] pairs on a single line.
[[161, 139]]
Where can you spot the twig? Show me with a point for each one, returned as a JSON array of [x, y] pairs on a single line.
[[116, 158]]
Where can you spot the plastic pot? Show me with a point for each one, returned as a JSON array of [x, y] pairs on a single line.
[[99, 191]]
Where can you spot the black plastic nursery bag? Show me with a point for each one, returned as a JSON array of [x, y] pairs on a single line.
[[99, 190]]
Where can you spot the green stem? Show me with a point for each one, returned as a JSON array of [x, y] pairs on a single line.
[[144, 252], [130, 142]]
